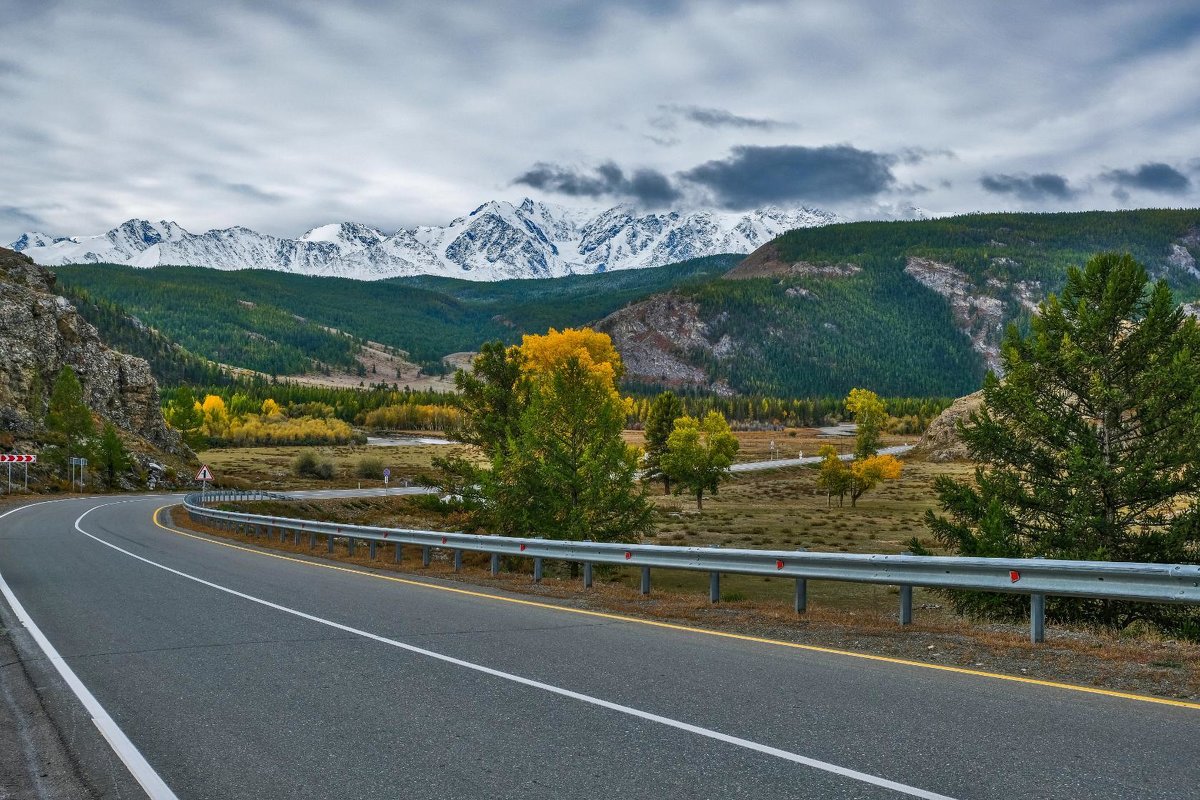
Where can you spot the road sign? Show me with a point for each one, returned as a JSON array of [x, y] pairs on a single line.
[[204, 474], [387, 473], [78, 462], [17, 459]]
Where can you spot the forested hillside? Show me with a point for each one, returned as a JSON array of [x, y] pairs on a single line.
[[906, 308], [275, 322], [914, 308]]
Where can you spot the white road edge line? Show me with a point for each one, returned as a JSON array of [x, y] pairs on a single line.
[[130, 756], [786, 755]]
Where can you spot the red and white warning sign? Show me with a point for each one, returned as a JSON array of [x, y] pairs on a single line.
[[204, 474], [6, 458]]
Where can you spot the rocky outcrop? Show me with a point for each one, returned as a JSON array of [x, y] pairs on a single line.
[[941, 441], [39, 333], [653, 336], [978, 315], [766, 262]]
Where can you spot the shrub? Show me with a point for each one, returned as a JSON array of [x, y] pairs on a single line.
[[307, 465], [369, 467]]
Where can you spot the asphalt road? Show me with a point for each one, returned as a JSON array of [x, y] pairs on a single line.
[[236, 674]]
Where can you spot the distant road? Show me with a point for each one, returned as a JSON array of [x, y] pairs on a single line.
[[752, 466], [238, 673]]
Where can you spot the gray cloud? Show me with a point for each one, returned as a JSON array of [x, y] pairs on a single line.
[[303, 112], [1043, 186], [644, 186], [1151, 177], [753, 175], [19, 218], [714, 118]]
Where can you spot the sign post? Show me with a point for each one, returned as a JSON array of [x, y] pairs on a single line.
[[76, 461], [387, 476], [204, 476]]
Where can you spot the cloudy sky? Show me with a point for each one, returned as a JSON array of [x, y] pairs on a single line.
[[284, 115]]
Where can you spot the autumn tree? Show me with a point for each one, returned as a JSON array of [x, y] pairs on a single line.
[[870, 415], [660, 422], [867, 473], [834, 476], [548, 415], [1088, 446], [699, 454]]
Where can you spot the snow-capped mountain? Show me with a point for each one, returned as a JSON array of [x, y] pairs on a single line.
[[498, 240]]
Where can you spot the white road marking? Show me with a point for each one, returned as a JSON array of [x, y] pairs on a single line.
[[130, 756], [747, 744]]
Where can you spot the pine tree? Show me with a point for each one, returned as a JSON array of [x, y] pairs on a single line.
[[68, 416], [660, 422], [1088, 446], [111, 456]]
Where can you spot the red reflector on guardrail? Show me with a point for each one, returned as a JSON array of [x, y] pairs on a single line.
[[522, 545], [779, 564], [443, 540], [385, 534], [628, 555], [1014, 576]]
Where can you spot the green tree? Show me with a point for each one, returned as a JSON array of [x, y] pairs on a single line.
[[68, 416], [1088, 445], [112, 458], [185, 416], [494, 394], [570, 475], [660, 422], [699, 454], [870, 414], [834, 476]]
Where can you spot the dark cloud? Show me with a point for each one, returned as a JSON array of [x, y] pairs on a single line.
[[714, 118], [243, 189], [1043, 186], [1152, 177], [18, 217], [752, 176], [644, 186]]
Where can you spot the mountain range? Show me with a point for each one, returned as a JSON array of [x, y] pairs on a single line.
[[496, 241]]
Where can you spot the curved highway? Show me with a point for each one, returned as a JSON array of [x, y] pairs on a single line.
[[231, 672]]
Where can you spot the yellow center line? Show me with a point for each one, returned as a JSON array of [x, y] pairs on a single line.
[[687, 628]]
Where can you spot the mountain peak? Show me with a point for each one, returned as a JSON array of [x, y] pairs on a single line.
[[497, 240]]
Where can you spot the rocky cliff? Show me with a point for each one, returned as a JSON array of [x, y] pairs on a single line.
[[39, 333], [941, 441]]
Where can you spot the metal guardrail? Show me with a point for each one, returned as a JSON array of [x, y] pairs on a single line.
[[1155, 583]]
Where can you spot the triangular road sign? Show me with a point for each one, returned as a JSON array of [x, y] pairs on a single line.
[[204, 474]]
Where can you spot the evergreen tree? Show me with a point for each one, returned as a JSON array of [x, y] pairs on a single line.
[[1088, 447], [185, 416], [660, 422], [570, 475], [493, 396], [68, 417], [111, 456], [699, 454]]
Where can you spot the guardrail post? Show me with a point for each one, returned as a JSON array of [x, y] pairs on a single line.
[[458, 560], [350, 546], [296, 536], [495, 564], [714, 587], [645, 580], [329, 542], [282, 535], [1037, 618], [905, 605], [801, 601], [371, 548], [312, 539], [424, 555], [537, 570], [587, 574], [399, 556]]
